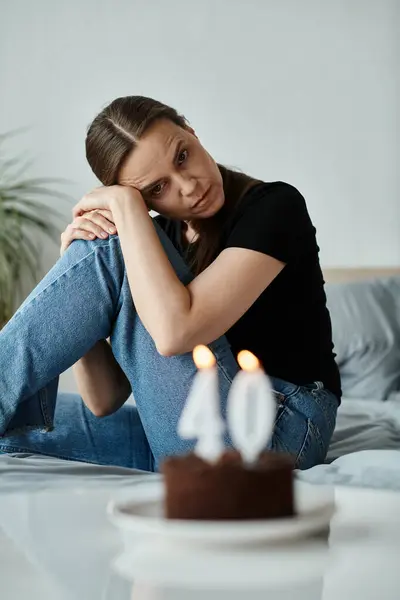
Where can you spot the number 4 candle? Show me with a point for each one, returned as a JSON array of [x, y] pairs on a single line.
[[201, 417]]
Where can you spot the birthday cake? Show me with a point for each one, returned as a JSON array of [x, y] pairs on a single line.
[[229, 489]]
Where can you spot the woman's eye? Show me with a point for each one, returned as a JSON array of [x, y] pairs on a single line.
[[182, 156], [157, 189]]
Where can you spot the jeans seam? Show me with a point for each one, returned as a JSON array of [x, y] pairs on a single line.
[[43, 405], [222, 369], [280, 414], [301, 452], [278, 437], [317, 434], [311, 430], [125, 277]]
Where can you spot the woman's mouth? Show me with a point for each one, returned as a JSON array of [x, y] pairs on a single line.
[[199, 205]]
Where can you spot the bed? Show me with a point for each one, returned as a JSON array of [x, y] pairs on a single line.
[[365, 449], [365, 310]]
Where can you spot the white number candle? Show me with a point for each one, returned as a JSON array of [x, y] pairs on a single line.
[[201, 416], [251, 408]]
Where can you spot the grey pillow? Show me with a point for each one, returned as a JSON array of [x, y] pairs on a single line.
[[366, 333]]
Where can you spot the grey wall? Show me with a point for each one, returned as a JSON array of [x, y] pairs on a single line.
[[301, 91]]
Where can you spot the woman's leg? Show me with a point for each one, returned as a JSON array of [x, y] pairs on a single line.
[[73, 306], [160, 385], [84, 298], [118, 439]]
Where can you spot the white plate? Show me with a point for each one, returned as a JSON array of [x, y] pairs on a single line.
[[261, 566], [142, 515]]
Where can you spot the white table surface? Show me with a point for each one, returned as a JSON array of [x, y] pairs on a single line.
[[56, 542]]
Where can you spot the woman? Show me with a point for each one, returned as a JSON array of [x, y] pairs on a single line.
[[231, 262]]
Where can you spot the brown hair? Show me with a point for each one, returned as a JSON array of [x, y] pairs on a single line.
[[116, 131]]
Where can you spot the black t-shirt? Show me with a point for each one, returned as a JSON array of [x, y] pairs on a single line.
[[288, 327]]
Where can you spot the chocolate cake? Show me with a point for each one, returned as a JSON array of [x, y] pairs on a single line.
[[228, 489]]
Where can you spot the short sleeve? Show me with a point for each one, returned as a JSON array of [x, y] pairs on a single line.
[[273, 219]]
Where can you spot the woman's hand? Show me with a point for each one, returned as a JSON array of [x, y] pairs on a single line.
[[102, 198], [97, 223]]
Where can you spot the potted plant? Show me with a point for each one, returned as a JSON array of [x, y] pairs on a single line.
[[24, 220]]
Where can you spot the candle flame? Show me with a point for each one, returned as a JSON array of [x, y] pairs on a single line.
[[203, 357], [247, 361]]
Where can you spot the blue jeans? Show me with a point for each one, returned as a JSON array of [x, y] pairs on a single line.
[[85, 298]]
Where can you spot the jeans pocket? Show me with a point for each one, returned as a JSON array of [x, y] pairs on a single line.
[[327, 404], [298, 435], [313, 450]]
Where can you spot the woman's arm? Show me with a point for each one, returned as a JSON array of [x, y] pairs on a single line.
[[101, 382], [178, 317]]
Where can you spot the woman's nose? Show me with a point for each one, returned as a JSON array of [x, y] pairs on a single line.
[[187, 185]]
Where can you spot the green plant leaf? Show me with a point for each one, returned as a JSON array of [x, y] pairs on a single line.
[[25, 219]]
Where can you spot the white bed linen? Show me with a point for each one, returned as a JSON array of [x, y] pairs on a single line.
[[366, 425], [19, 472]]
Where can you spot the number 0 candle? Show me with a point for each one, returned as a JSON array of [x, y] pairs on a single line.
[[251, 408]]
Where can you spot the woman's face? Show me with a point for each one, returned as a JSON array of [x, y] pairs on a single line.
[[174, 173]]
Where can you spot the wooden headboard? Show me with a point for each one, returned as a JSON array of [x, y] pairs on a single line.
[[338, 275]]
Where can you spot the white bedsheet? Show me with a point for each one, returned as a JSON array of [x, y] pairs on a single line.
[[22, 472], [366, 425], [374, 469]]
